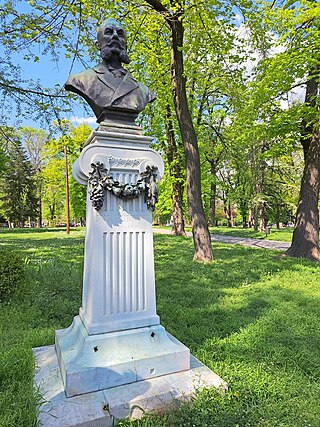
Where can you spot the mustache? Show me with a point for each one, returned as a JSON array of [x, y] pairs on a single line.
[[114, 42], [106, 53]]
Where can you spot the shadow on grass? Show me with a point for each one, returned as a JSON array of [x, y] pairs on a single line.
[[253, 318], [192, 296]]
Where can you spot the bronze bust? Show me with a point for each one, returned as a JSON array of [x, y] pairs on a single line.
[[109, 89]]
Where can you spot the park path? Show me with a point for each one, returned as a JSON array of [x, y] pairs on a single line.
[[245, 241]]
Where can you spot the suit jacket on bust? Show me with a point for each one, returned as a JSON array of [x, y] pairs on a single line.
[[103, 91]]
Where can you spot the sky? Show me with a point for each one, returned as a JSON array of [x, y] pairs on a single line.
[[51, 73]]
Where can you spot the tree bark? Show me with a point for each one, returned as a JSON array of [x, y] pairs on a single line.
[[176, 172], [212, 205], [262, 215], [305, 239], [255, 218], [213, 192], [177, 212], [229, 215], [200, 231]]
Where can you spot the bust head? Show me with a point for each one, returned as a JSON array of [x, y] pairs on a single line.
[[111, 41]]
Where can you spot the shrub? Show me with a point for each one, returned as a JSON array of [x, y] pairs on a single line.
[[12, 272]]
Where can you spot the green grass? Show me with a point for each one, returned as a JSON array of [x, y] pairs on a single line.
[[251, 316], [283, 234]]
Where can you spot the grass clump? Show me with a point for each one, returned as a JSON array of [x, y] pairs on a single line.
[[12, 272], [250, 316]]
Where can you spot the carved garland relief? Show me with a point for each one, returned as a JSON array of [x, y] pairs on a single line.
[[100, 180]]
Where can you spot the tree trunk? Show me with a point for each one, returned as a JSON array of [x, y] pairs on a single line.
[[255, 218], [212, 205], [278, 216], [176, 173], [250, 218], [177, 213], [229, 215], [52, 212], [305, 239], [213, 195], [201, 236], [39, 219], [262, 215]]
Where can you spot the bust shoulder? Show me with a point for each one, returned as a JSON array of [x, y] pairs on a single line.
[[80, 79], [147, 93]]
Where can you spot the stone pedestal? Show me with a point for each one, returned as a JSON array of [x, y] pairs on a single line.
[[101, 408], [117, 338], [116, 360]]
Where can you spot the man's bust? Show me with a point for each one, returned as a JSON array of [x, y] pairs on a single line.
[[109, 89]]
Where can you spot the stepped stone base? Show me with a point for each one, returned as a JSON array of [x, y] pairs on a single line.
[[100, 408], [96, 362]]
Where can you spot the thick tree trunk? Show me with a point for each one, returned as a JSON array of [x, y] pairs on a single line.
[[177, 212], [305, 239], [201, 236], [176, 173]]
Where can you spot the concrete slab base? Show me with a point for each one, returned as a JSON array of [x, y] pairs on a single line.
[[100, 408]]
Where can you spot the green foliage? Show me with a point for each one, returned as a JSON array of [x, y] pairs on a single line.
[[241, 78], [12, 272], [17, 185]]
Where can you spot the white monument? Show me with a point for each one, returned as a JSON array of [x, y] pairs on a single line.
[[115, 357], [117, 337]]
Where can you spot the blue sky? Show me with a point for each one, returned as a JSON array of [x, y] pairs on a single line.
[[50, 73]]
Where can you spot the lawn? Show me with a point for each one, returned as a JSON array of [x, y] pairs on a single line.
[[281, 234], [251, 316]]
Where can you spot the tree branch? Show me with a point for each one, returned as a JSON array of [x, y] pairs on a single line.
[[26, 91], [158, 6]]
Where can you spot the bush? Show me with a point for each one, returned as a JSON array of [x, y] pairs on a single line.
[[12, 272]]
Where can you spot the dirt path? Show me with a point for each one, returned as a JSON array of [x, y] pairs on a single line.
[[245, 241]]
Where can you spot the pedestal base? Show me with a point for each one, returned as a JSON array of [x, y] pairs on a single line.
[[96, 362], [99, 409]]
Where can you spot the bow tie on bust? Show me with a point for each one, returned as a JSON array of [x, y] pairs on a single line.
[[118, 73]]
